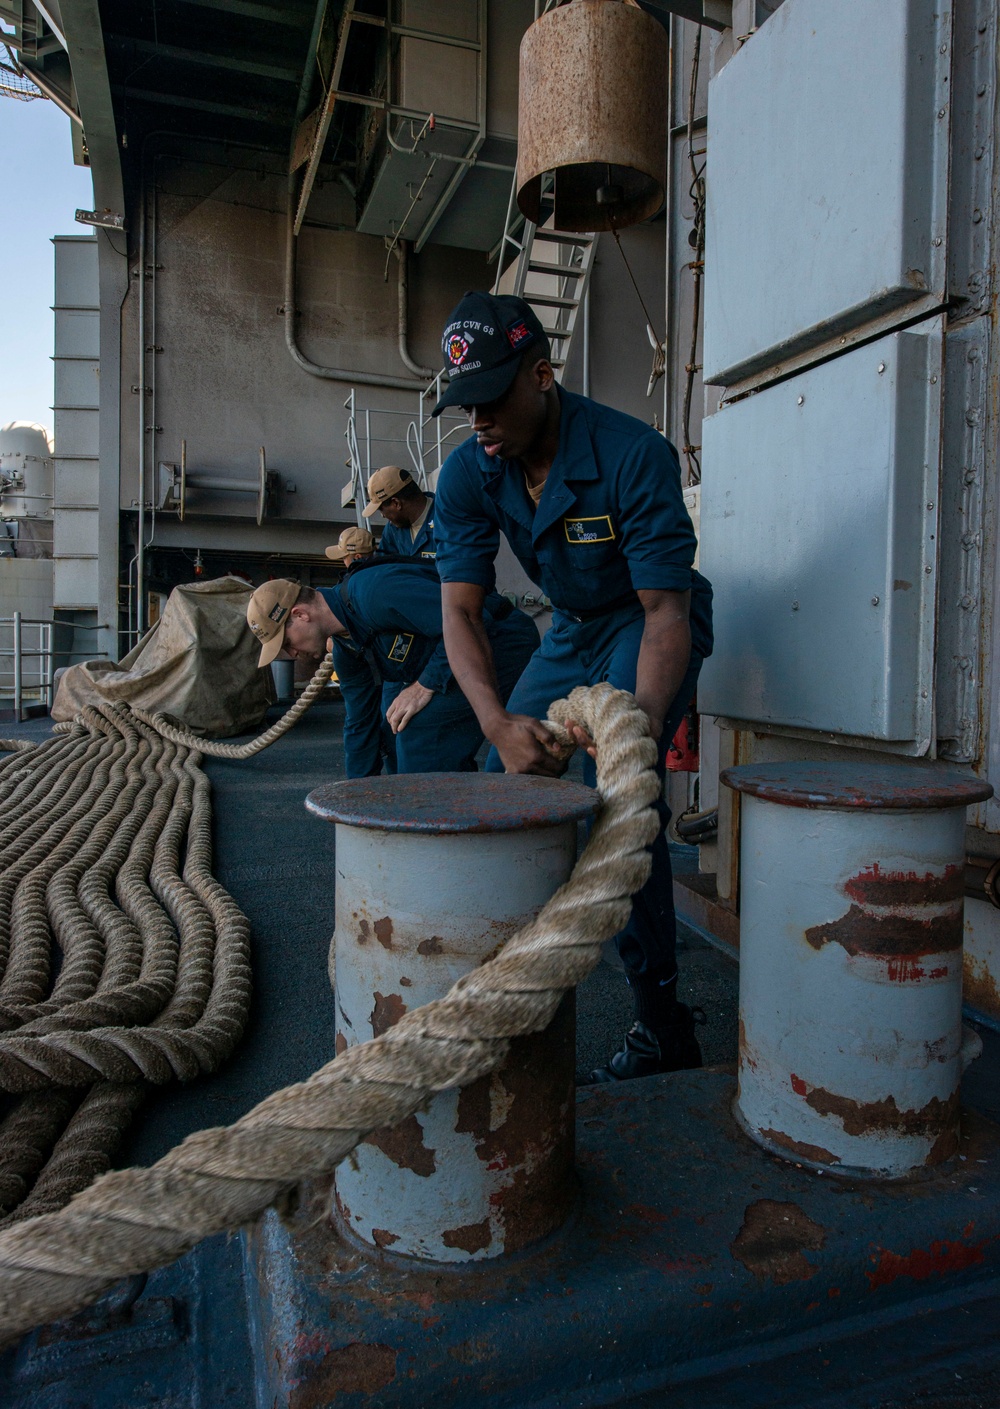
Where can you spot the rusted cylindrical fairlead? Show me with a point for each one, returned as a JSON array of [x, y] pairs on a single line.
[[434, 872], [852, 886], [592, 108]]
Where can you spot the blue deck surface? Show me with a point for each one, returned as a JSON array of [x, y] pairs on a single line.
[[185, 1340]]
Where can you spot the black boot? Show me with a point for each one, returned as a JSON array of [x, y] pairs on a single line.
[[648, 1051]]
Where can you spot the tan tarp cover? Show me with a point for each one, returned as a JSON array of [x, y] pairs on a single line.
[[198, 665]]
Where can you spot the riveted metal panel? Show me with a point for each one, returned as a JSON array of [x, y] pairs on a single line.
[[76, 483], [75, 582], [76, 430], [76, 271], [818, 531], [77, 333], [76, 383], [76, 532], [828, 159]]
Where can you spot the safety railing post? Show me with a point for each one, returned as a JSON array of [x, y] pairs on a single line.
[[18, 681], [47, 681]]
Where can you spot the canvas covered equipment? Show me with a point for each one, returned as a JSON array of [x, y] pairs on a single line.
[[197, 665]]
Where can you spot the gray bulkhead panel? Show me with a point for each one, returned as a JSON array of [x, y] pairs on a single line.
[[828, 168], [818, 531]]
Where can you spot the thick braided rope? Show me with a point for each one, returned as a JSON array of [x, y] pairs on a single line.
[[146, 939], [270, 736], [105, 857], [133, 1220]]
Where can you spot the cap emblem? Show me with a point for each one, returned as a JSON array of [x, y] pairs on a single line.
[[518, 333], [277, 612], [458, 349]]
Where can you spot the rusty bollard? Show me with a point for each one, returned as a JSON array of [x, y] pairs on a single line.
[[434, 872], [852, 885]]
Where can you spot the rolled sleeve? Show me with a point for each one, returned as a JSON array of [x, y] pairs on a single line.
[[657, 538], [467, 536]]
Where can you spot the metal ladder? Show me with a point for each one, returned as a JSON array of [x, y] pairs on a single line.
[[551, 272]]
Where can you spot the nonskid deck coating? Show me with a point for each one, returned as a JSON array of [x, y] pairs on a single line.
[[692, 1253]]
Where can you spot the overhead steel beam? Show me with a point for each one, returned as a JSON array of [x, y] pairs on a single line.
[[249, 9], [269, 116], [283, 73], [81, 21], [716, 14], [325, 117]]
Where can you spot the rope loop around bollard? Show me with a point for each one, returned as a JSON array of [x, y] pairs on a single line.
[[133, 1220]]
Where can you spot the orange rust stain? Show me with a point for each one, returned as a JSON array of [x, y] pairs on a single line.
[[670, 1263], [471, 1237], [979, 986], [362, 1367], [889, 936], [341, 1044], [647, 1214], [405, 982], [746, 1052], [534, 1155], [877, 887], [382, 1238], [404, 1145], [434, 945], [801, 1148], [774, 1239], [936, 1118], [383, 932], [388, 1010], [364, 931], [939, 1259], [799, 1086]]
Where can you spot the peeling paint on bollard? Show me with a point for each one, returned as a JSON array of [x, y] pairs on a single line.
[[850, 1048], [441, 870]]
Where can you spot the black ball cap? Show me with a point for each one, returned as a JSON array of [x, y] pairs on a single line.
[[482, 345]]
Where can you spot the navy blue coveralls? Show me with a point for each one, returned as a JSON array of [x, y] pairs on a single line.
[[393, 614], [398, 540], [611, 522]]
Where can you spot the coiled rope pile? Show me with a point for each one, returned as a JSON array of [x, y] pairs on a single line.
[[133, 1220], [122, 961]]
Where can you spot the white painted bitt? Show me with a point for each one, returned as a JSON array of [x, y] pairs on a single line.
[[483, 1171], [851, 1055]]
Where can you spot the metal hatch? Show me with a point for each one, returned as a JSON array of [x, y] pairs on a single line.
[[818, 532], [828, 164]]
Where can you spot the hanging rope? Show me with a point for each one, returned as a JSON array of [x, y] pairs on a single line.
[[133, 1220]]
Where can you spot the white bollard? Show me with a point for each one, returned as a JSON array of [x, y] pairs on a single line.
[[434, 872], [852, 884]]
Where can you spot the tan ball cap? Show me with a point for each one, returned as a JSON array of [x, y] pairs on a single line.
[[353, 541], [267, 615], [385, 484]]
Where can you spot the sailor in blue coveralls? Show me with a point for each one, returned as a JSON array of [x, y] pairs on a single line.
[[387, 617], [408, 511], [372, 744], [590, 502]]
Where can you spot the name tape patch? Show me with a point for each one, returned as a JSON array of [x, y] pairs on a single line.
[[400, 648], [589, 530]]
